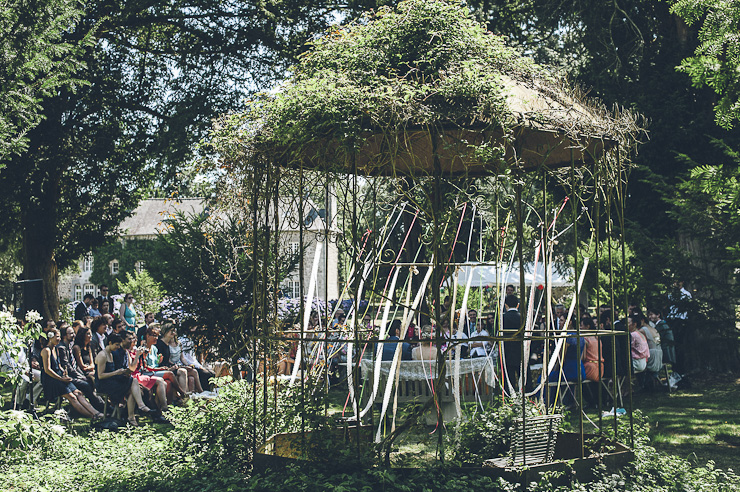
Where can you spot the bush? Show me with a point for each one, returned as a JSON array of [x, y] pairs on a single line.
[[208, 448]]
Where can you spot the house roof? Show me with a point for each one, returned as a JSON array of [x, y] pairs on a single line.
[[149, 217]]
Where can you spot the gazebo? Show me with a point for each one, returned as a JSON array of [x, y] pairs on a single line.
[[424, 121]]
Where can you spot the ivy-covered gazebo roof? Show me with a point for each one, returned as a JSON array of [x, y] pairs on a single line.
[[423, 87]]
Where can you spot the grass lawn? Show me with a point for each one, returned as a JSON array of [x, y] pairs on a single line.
[[699, 424]]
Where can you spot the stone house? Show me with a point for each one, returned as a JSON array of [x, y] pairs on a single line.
[[129, 252]]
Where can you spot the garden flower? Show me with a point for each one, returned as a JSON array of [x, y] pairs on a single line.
[[33, 316]]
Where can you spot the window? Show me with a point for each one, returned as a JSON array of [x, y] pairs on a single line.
[[90, 289], [294, 247], [295, 288], [114, 267], [139, 266], [87, 263], [78, 293]]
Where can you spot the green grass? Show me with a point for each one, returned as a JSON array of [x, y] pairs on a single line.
[[699, 424]]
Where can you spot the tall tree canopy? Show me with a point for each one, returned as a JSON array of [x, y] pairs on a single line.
[[627, 52], [34, 63], [156, 75], [716, 62]]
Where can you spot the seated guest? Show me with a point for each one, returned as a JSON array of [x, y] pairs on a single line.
[[479, 348], [16, 363], [187, 376], [593, 357], [285, 364], [141, 332], [82, 353], [655, 359], [463, 346], [189, 357], [69, 366], [152, 361], [56, 383], [490, 323], [132, 356], [37, 367], [105, 307], [667, 340], [444, 332], [638, 346], [93, 311], [117, 383], [389, 349], [76, 325], [426, 350], [412, 333], [98, 341], [573, 360], [117, 327]]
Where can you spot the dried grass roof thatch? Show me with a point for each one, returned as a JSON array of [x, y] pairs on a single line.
[[421, 88]]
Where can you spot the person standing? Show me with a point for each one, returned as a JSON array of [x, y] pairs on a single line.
[[512, 349], [666, 340], [83, 308], [103, 297], [128, 313]]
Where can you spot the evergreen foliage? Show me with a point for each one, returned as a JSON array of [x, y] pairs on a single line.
[[148, 293], [35, 62], [716, 62]]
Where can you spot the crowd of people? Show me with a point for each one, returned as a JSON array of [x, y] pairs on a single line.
[[103, 355], [599, 353]]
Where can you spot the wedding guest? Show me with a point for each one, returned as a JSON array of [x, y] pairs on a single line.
[[94, 312], [82, 352], [116, 382], [56, 383], [127, 313], [98, 330], [68, 364]]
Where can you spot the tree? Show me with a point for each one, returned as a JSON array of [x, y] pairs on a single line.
[[148, 293], [35, 62], [716, 61], [626, 52], [208, 266], [156, 75]]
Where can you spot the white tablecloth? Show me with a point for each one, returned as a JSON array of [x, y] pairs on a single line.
[[417, 370]]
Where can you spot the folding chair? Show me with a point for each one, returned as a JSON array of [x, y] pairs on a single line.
[[116, 413]]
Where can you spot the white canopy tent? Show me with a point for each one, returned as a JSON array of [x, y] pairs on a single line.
[[489, 275]]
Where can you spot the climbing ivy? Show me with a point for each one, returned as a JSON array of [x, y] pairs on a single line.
[[127, 253]]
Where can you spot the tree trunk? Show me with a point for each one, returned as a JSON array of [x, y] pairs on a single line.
[[40, 235], [41, 264]]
